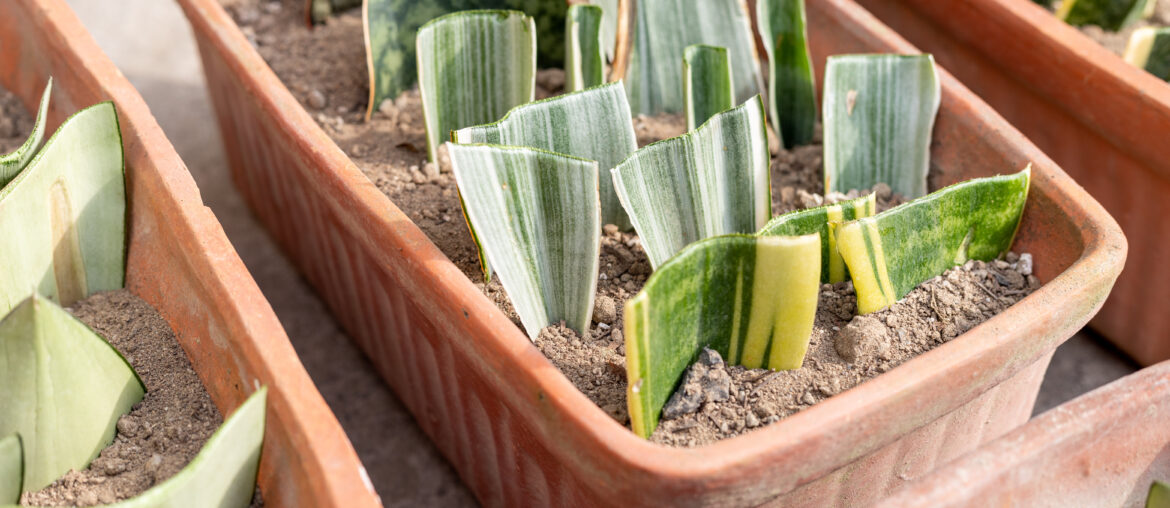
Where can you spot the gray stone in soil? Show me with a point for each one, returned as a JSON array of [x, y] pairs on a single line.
[[706, 381], [864, 337]]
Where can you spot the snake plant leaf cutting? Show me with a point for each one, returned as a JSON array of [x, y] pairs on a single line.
[[894, 251], [62, 389], [711, 181], [473, 67], [1149, 49], [609, 26], [584, 59], [536, 216], [11, 468], [751, 298], [13, 163], [664, 28], [1111, 15], [1159, 496], [391, 25], [65, 214], [823, 220], [706, 83], [592, 124], [792, 99], [879, 112]]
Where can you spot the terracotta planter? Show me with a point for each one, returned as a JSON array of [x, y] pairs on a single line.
[[1101, 449], [180, 261], [1105, 122], [520, 434]]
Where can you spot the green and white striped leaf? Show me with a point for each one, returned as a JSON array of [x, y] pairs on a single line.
[[391, 25], [1159, 496], [609, 26], [792, 96], [11, 469], [11, 164], [1149, 49], [664, 28], [536, 216], [752, 299], [711, 181], [879, 112], [896, 250], [584, 61], [1111, 15], [64, 217], [823, 220], [224, 471], [474, 66], [706, 83], [592, 124], [63, 389]]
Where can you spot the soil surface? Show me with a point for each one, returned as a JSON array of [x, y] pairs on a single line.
[[162, 433], [16, 123], [1116, 41]]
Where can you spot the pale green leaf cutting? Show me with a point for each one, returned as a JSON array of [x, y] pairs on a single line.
[[896, 250], [823, 220], [537, 217], [1159, 496], [711, 181], [584, 62], [62, 388], [664, 28], [64, 217], [11, 164], [706, 83], [224, 472], [1149, 49], [751, 298], [11, 468], [792, 96], [592, 124], [609, 26], [473, 67], [1111, 15]]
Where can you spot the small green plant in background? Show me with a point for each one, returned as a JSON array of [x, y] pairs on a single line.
[[1149, 49], [1111, 15]]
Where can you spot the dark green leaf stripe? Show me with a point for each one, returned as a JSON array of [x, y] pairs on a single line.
[[592, 124], [896, 250], [710, 181], [11, 468], [751, 298], [823, 220], [706, 83], [11, 164], [537, 217], [664, 28], [879, 112], [1149, 49], [1112, 15], [584, 59], [792, 99]]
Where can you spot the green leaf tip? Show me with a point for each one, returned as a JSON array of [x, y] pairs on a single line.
[[751, 298], [11, 468], [1159, 496], [824, 221], [706, 83], [64, 389], [1111, 15], [584, 51], [711, 181], [537, 216], [591, 124], [11, 164], [896, 250], [1149, 49], [792, 97], [65, 214], [879, 111]]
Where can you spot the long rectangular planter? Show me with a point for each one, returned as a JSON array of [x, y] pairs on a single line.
[[515, 428], [1101, 449], [1104, 121], [180, 261]]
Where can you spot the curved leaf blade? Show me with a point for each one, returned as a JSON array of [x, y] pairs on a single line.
[[592, 124], [63, 389], [1159, 496], [879, 112], [711, 181], [1149, 49], [65, 215], [609, 26], [706, 83], [11, 164], [1111, 15], [538, 216], [584, 63], [11, 469], [792, 96], [752, 299], [896, 250], [823, 220]]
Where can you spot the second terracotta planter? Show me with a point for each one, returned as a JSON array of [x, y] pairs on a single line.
[[515, 428]]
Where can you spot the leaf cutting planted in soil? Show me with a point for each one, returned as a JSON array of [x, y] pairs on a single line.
[[792, 96], [11, 164], [823, 220], [584, 58], [706, 83]]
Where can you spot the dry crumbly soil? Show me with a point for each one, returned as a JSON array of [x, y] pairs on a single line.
[[325, 70], [16, 123], [1116, 41]]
